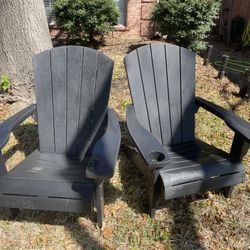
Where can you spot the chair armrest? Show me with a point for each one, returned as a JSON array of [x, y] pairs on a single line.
[[105, 152], [234, 122], [11, 123], [151, 150]]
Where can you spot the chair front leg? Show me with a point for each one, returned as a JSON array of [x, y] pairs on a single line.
[[238, 151], [99, 197], [239, 147]]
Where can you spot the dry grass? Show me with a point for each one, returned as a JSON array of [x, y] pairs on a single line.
[[208, 222]]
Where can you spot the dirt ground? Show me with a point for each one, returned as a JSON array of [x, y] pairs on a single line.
[[206, 221]]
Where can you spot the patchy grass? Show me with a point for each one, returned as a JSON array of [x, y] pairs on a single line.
[[207, 222]]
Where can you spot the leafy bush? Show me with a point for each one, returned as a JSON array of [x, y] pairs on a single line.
[[85, 20], [5, 83], [186, 22]]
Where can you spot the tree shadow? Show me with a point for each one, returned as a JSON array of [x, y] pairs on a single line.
[[183, 227], [27, 138], [183, 230], [80, 231]]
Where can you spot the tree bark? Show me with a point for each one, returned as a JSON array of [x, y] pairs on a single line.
[[23, 33]]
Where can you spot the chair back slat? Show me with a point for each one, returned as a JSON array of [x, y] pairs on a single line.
[[162, 80], [72, 92]]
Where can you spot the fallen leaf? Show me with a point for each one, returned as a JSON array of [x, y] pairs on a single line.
[[107, 232]]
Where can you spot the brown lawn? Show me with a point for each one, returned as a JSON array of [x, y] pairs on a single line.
[[206, 221]]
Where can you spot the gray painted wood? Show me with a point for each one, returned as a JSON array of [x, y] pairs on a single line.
[[174, 82], [162, 88], [163, 95], [148, 80], [188, 95], [42, 73], [59, 83], [137, 90], [74, 78], [72, 88], [52, 204], [42, 166], [89, 70], [203, 185], [161, 79], [46, 189], [101, 92], [3, 168]]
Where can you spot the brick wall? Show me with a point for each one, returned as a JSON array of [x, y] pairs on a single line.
[[138, 19]]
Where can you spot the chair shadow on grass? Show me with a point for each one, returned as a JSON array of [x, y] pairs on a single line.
[[183, 232], [27, 138], [183, 229]]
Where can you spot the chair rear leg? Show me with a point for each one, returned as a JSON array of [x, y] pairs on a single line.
[[100, 203], [227, 191], [151, 201]]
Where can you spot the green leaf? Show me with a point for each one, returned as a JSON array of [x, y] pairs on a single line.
[[5, 83]]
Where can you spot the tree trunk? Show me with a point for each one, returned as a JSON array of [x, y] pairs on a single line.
[[23, 33]]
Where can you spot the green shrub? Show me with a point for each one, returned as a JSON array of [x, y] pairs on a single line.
[[86, 21], [186, 22], [5, 83]]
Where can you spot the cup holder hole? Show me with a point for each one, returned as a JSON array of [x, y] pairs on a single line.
[[157, 156]]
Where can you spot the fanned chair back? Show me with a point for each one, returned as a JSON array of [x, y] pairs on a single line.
[[72, 91], [162, 82]]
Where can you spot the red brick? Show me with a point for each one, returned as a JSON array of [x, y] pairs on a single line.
[[146, 28], [146, 11]]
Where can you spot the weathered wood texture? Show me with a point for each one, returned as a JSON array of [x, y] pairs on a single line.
[[240, 7], [24, 33], [161, 78], [72, 89]]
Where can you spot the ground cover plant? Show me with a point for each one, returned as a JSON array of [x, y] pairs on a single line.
[[206, 221]]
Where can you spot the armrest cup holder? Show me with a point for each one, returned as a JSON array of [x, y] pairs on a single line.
[[157, 157]]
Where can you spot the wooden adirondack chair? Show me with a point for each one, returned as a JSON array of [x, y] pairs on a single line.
[[79, 136], [161, 121]]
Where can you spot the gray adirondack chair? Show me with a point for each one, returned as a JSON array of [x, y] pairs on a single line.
[[79, 136], [161, 121]]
